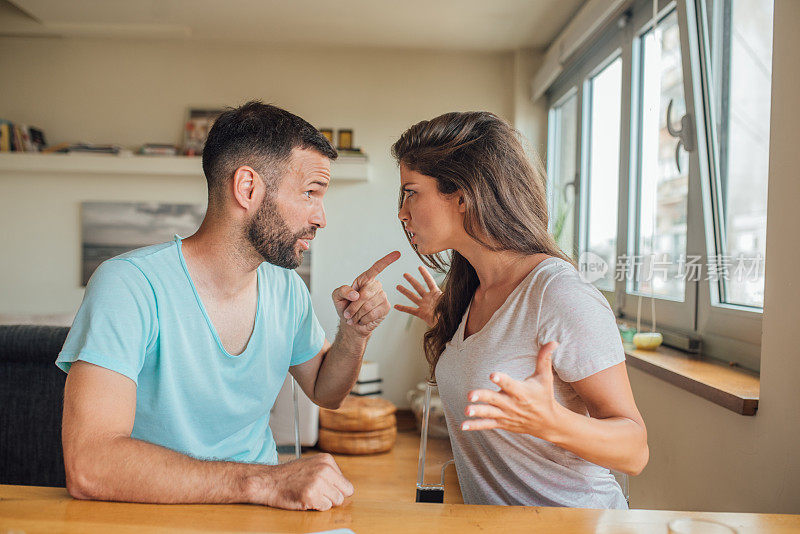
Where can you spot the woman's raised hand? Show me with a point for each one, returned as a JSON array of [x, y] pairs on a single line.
[[524, 406], [425, 300]]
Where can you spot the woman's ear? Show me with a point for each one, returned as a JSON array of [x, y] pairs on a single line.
[[462, 204]]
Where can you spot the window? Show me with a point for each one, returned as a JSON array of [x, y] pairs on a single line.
[[662, 192], [605, 97], [741, 73], [562, 168], [657, 160]]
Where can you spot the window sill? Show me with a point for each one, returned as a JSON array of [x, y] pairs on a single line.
[[730, 387]]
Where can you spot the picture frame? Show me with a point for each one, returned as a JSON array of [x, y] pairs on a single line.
[[344, 139], [109, 229], [196, 127]]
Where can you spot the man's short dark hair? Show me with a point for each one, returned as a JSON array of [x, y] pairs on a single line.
[[261, 136]]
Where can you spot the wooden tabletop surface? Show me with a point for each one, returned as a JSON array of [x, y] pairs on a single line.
[[383, 503], [32, 509]]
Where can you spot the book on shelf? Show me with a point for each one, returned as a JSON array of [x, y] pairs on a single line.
[[91, 148], [369, 371], [37, 138], [20, 137], [52, 149], [158, 149], [362, 389], [369, 381], [82, 148], [5, 136]]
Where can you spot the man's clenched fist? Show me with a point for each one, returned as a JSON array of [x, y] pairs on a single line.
[[311, 483]]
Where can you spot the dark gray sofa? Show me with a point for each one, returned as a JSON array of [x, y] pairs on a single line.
[[31, 401]]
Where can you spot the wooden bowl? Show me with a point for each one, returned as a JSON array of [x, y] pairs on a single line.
[[359, 414], [371, 442]]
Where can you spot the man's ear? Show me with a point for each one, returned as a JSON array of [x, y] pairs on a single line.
[[245, 182]]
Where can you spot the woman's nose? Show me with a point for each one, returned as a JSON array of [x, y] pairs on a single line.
[[402, 214]]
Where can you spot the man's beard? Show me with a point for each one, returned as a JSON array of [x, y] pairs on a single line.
[[269, 234]]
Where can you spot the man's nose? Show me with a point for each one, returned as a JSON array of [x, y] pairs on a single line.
[[318, 217]]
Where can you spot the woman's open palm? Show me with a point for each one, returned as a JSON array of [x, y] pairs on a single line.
[[424, 299]]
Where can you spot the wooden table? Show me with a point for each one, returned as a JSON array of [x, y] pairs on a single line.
[[32, 509], [383, 503]]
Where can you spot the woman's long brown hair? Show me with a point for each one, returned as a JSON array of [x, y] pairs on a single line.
[[482, 157]]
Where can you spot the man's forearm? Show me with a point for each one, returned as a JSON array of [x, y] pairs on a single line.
[[131, 470], [340, 366]]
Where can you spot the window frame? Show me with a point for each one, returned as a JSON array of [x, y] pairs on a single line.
[[575, 80], [676, 316], [731, 332]]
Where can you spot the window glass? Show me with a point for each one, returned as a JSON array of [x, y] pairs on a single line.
[[603, 167], [663, 184], [741, 79], [563, 171]]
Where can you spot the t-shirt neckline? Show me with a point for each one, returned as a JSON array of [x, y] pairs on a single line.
[[250, 342], [509, 299]]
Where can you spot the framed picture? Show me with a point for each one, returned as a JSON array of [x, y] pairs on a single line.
[[345, 141], [109, 229], [195, 132], [328, 133]]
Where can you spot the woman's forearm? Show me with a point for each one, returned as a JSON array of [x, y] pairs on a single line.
[[529, 407], [617, 443]]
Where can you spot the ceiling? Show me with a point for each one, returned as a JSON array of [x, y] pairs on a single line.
[[490, 25]]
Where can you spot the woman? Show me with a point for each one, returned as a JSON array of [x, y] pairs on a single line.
[[515, 315]]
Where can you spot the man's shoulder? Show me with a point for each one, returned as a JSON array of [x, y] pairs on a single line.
[[147, 252], [152, 260], [138, 265]]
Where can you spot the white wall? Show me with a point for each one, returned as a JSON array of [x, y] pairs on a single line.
[[702, 456], [530, 117], [134, 92]]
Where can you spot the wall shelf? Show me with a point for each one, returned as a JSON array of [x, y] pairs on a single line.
[[344, 169]]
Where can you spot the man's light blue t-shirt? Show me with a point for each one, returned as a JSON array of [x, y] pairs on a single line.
[[142, 317]]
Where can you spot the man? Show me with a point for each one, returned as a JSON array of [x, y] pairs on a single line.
[[179, 350]]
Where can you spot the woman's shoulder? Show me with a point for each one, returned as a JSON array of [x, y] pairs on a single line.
[[555, 283], [551, 270]]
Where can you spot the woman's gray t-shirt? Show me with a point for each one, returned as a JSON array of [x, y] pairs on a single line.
[[500, 467]]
